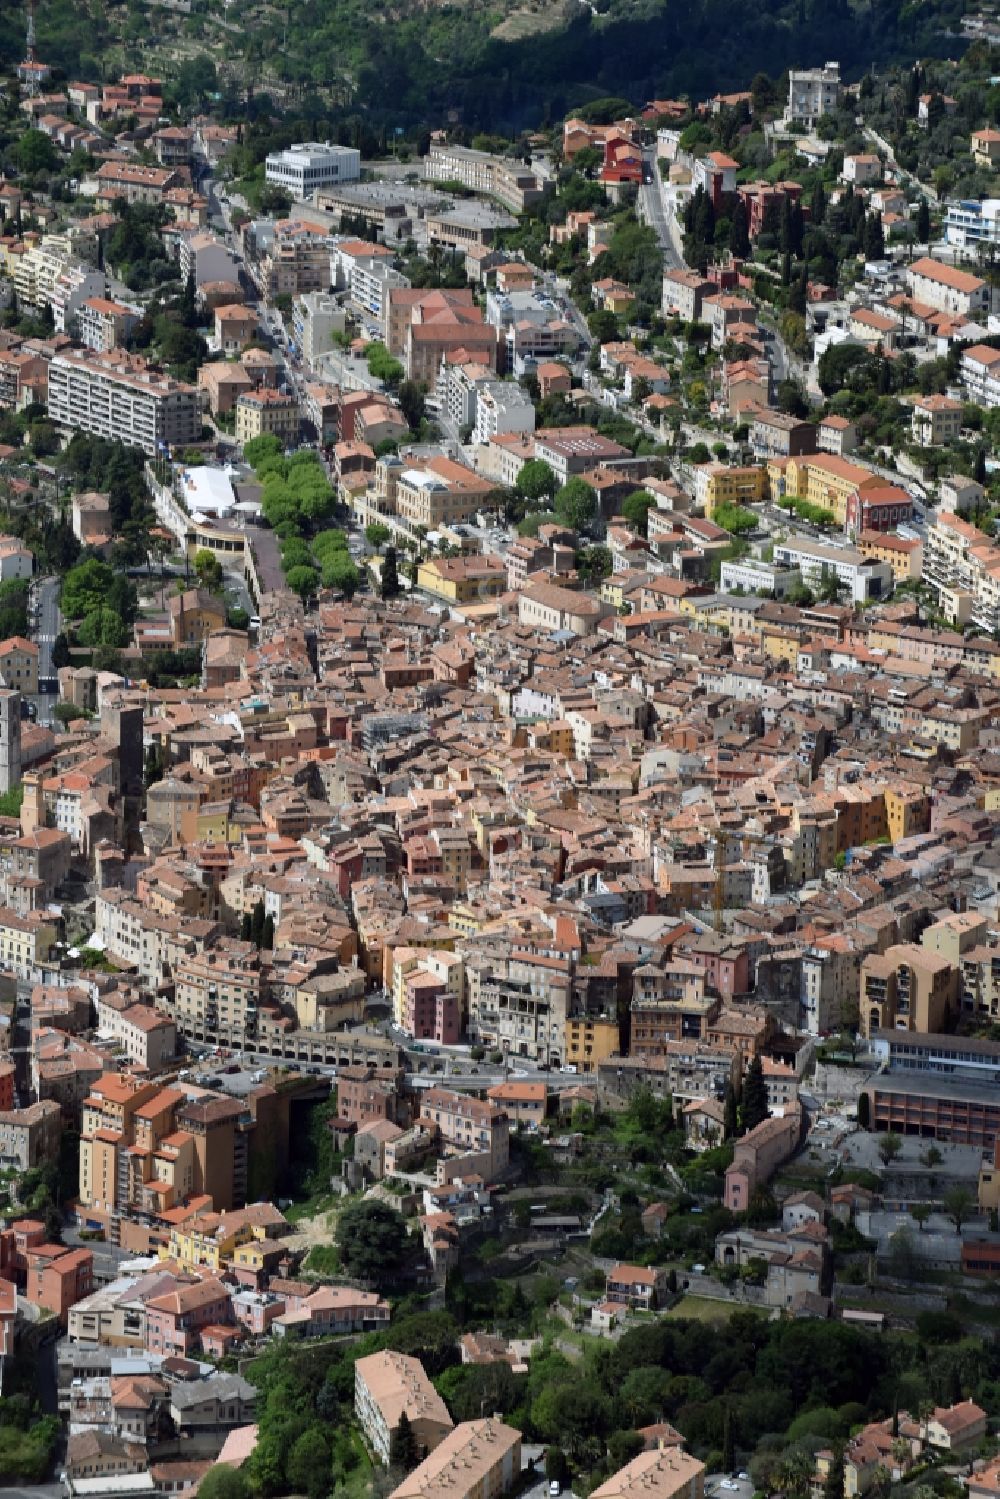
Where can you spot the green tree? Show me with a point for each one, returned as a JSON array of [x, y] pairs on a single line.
[[739, 233], [224, 1482], [302, 580], [754, 1103], [636, 507], [889, 1146], [923, 222], [730, 1118], [103, 627], [35, 152], [389, 585], [371, 1237], [403, 1446], [308, 1465], [603, 326], [594, 563], [411, 403], [576, 504], [556, 1467], [920, 1212], [728, 1441], [377, 535], [209, 568], [259, 449], [85, 588], [536, 481], [338, 571], [957, 1202]]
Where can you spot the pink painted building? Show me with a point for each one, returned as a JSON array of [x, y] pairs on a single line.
[[433, 1012], [174, 1321], [759, 1154]]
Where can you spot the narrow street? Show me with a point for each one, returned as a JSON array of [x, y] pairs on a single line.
[[658, 208]]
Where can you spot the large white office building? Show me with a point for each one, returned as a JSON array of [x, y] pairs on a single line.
[[304, 168]]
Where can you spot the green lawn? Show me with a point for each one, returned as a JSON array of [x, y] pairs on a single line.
[[699, 1309]]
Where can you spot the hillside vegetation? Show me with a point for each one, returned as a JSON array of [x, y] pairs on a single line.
[[504, 65]]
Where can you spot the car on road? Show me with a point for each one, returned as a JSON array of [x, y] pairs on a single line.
[[555, 1487]]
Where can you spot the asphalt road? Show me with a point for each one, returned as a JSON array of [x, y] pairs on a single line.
[[49, 623], [655, 210]]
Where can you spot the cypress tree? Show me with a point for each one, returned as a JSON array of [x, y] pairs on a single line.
[[755, 1109], [390, 576]]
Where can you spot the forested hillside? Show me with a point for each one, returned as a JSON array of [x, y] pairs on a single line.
[[409, 64]]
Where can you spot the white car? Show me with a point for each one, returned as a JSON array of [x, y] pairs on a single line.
[[555, 1487]]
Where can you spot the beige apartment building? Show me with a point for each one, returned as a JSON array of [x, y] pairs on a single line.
[[907, 988], [935, 419], [30, 1136], [267, 411], [25, 941], [510, 182], [431, 492], [468, 1126], [218, 995], [388, 1386], [19, 664], [478, 1460], [120, 397], [667, 1473], [962, 566]]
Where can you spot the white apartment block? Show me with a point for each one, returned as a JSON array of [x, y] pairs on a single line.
[[981, 374], [103, 324], [963, 568], [49, 274], [370, 284], [74, 286], [205, 257], [119, 397], [749, 575], [303, 168], [947, 288], [863, 578], [502, 408], [457, 388], [316, 317], [813, 92], [510, 182], [968, 223]]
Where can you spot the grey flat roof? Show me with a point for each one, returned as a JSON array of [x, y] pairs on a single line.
[[936, 1085]]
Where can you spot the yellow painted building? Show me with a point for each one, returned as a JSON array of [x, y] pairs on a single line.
[[466, 921], [903, 556], [824, 479], [267, 411], [907, 812], [590, 1041], [716, 484], [460, 580], [781, 645]]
